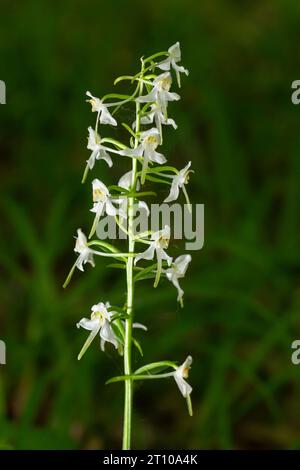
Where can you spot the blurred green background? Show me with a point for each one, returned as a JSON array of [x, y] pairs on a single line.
[[242, 298]]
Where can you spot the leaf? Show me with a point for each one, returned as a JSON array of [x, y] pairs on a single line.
[[118, 188], [119, 316], [121, 378], [155, 365], [115, 95], [138, 346], [157, 180], [115, 142], [128, 128], [117, 265], [160, 169], [121, 78], [107, 246], [146, 276], [118, 329], [154, 56], [69, 276]]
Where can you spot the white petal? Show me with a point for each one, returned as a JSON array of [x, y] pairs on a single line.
[[182, 263], [107, 334], [81, 242], [186, 365], [92, 139], [175, 282], [148, 254], [137, 152], [183, 386], [100, 307], [91, 161], [97, 184], [163, 76], [148, 119], [98, 208], [170, 122], [106, 117], [180, 374], [165, 64], [180, 69], [164, 256], [174, 192], [165, 232], [175, 51], [79, 262], [157, 157], [90, 258], [143, 205], [88, 324], [103, 155], [88, 342], [185, 169], [171, 96], [150, 133], [96, 102], [140, 326], [125, 180], [110, 209], [150, 98]]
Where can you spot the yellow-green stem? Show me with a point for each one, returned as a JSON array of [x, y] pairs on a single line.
[[127, 426]]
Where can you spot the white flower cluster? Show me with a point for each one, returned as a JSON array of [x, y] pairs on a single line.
[[153, 112]]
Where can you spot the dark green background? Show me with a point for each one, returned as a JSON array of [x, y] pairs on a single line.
[[238, 126]]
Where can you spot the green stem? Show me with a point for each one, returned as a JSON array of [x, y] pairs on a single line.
[[130, 296]]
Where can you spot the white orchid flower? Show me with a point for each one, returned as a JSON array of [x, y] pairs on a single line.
[[177, 271], [147, 149], [103, 116], [155, 115], [99, 152], [179, 181], [159, 243], [171, 61], [98, 323], [85, 252], [102, 203], [160, 93], [182, 373]]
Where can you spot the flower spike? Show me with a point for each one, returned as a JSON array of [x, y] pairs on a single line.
[[151, 96]]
